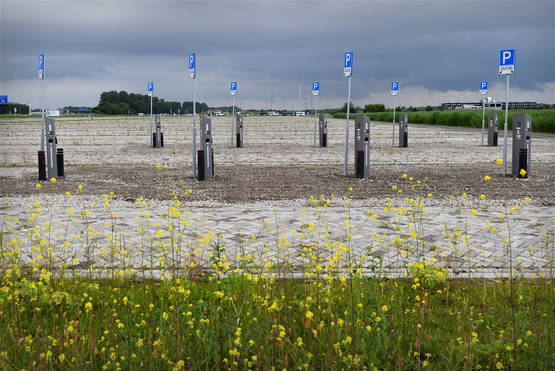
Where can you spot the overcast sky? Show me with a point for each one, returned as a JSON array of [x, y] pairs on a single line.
[[438, 50]]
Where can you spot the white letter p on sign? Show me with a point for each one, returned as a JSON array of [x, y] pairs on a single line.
[[506, 55]]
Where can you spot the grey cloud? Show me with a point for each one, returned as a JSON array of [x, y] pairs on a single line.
[[273, 46]]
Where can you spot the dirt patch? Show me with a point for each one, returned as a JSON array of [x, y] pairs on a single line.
[[249, 183]]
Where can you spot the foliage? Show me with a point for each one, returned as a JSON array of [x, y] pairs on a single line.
[[542, 120], [430, 276], [113, 102], [374, 108], [9, 108], [251, 321], [351, 108], [299, 300]]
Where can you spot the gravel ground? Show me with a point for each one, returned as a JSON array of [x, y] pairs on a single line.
[[250, 183], [277, 163]]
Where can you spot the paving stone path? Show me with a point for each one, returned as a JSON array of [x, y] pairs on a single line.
[[295, 235], [277, 233]]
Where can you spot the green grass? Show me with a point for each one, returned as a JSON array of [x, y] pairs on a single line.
[[250, 322], [542, 120], [277, 301]]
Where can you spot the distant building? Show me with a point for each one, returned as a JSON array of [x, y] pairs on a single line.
[[496, 105]]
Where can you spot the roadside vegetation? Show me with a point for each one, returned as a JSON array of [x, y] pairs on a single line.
[[76, 294], [543, 121]]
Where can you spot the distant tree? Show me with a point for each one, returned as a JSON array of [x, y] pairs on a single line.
[[9, 108], [351, 108], [374, 108], [117, 103], [429, 108]]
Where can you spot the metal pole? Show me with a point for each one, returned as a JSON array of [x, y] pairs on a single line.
[[43, 129], [315, 120], [151, 104], [393, 123], [194, 130], [483, 116], [346, 146], [233, 121], [505, 128]]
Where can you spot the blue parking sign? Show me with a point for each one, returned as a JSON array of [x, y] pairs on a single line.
[[3, 99], [316, 88], [507, 61], [150, 87], [348, 64], [192, 65], [41, 66], [233, 88], [395, 88], [483, 87]]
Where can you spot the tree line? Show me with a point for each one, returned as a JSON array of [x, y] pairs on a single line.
[[9, 108], [122, 103]]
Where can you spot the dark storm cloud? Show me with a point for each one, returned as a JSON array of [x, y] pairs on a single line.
[[272, 47]]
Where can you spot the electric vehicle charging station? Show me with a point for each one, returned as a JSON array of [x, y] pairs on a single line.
[[362, 146], [205, 155], [157, 140], [522, 144], [403, 130], [323, 129]]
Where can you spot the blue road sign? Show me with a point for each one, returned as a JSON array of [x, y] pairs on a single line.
[[348, 64], [150, 87], [507, 61], [192, 65], [233, 88], [316, 88], [395, 88], [41, 66], [483, 87], [3, 99]]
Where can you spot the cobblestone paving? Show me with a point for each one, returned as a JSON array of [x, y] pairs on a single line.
[[441, 234], [293, 225]]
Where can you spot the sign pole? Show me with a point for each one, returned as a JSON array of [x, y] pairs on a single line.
[[393, 123], [192, 74], [150, 104], [506, 67], [483, 91], [194, 130], [233, 92], [315, 119], [347, 72], [394, 91], [505, 128], [233, 121], [42, 116], [42, 77], [315, 93], [346, 146], [483, 117]]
